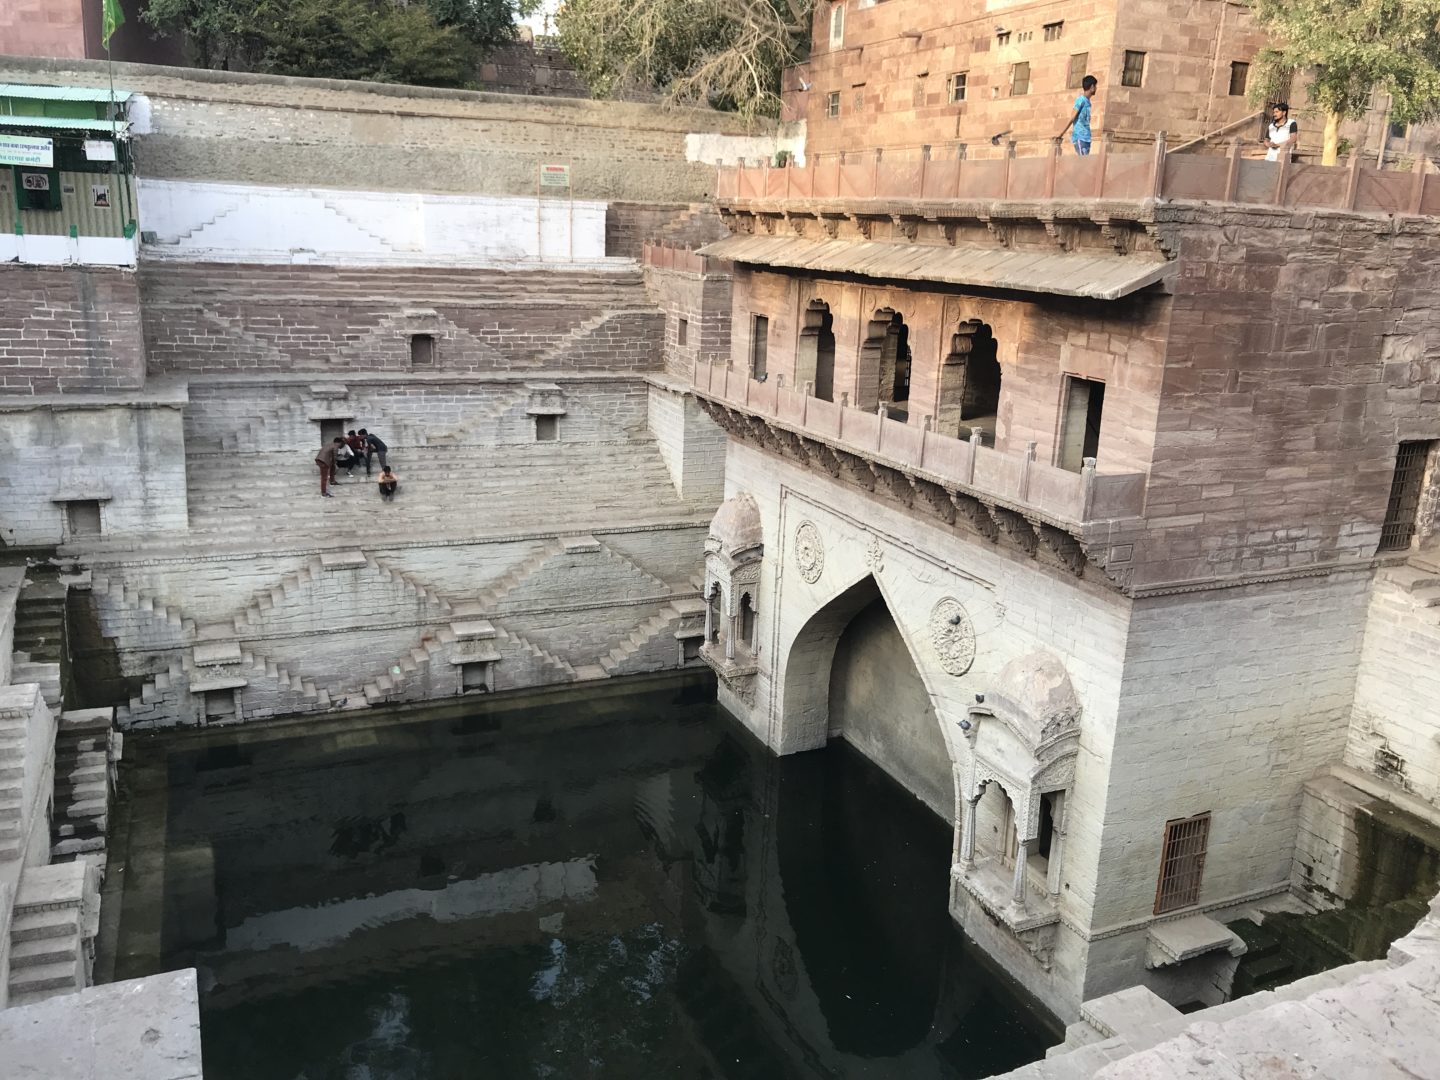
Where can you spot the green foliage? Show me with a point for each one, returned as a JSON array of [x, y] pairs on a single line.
[[429, 43], [727, 53], [1350, 47]]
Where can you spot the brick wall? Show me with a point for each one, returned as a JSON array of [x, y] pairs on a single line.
[[66, 330], [703, 302], [629, 225], [225, 318], [526, 67]]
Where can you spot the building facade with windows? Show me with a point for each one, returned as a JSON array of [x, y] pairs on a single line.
[[1095, 500]]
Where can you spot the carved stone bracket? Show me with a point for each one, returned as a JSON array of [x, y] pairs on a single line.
[[830, 223], [848, 467], [863, 224], [1166, 239], [934, 499], [1014, 528], [1062, 233], [950, 230], [1120, 236], [1002, 231], [1064, 548], [973, 513], [909, 227], [798, 223], [892, 482]]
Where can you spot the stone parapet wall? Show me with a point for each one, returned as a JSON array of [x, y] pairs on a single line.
[[629, 226], [268, 129], [703, 302], [219, 318], [70, 329]]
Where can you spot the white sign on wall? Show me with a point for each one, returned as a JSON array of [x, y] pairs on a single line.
[[23, 150], [555, 176], [99, 150]]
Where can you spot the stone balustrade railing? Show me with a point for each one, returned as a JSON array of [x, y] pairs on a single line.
[[1104, 174], [1018, 482], [669, 257]]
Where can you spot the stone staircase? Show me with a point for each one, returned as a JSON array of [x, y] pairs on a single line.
[[138, 600], [386, 687], [52, 933], [251, 434], [153, 691], [545, 656], [25, 670], [87, 752], [1420, 586], [40, 622], [252, 616], [486, 599], [665, 619], [477, 427], [12, 786], [273, 669], [412, 584]]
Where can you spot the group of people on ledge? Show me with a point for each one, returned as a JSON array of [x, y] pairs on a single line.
[[355, 448]]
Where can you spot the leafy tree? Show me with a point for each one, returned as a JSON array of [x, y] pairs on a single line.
[[417, 51], [323, 39], [221, 33], [1351, 47], [727, 53], [484, 22]]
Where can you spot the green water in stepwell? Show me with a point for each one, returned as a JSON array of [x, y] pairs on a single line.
[[614, 882]]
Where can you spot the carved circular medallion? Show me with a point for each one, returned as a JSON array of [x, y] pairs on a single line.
[[953, 636], [809, 552]]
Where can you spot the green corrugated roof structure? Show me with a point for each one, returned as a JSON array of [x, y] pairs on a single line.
[[26, 107], [61, 93]]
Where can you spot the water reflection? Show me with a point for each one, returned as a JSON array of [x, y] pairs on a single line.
[[606, 884]]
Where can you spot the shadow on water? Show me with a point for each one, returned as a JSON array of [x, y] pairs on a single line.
[[610, 883]]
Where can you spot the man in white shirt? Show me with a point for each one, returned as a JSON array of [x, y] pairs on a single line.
[[1282, 133]]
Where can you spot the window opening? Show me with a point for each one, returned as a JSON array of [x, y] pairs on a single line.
[[331, 429], [1002, 37], [1079, 64], [815, 356], [422, 350], [1239, 77], [970, 383], [1182, 863], [1047, 826], [747, 622], [682, 332], [1402, 512], [832, 104], [1020, 79], [475, 677], [759, 347], [955, 89], [547, 428], [83, 517], [1133, 71], [1054, 31], [837, 26], [1080, 426], [714, 602], [690, 649]]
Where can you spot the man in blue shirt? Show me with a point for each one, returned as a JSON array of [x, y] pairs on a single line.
[[1079, 125]]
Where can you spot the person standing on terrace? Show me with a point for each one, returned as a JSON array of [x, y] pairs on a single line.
[[1079, 125]]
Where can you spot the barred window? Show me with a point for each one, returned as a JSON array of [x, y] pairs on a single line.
[[1054, 30], [1182, 863], [832, 104], [955, 91], [1402, 512], [1239, 77]]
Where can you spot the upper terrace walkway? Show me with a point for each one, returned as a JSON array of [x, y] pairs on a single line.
[[1044, 172]]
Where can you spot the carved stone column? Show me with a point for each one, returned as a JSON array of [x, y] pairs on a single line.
[[967, 834], [1022, 857], [731, 636]]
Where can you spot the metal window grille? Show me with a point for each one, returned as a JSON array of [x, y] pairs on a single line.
[[1054, 30], [1020, 79], [1182, 863], [1133, 73], [1078, 63], [957, 86], [832, 104], [1403, 509], [1239, 78]]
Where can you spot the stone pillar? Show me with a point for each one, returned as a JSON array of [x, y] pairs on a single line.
[[731, 636], [1022, 856], [1057, 847], [967, 835], [709, 614]]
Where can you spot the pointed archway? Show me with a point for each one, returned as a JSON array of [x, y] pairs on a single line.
[[851, 674]]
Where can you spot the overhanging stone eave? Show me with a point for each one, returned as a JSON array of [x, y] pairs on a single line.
[[1036, 209], [1075, 529]]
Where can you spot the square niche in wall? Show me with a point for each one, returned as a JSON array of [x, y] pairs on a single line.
[[475, 677], [219, 705], [82, 518], [547, 428]]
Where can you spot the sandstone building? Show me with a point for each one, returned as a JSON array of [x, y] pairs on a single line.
[[1095, 500]]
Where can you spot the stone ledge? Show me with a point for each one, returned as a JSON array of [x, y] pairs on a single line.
[[1181, 939], [342, 560], [216, 653]]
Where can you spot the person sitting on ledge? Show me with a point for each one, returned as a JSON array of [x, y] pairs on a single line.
[[346, 458], [388, 483]]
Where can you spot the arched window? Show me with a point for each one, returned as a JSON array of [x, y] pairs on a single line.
[[815, 357], [970, 383], [747, 622], [715, 614], [884, 377]]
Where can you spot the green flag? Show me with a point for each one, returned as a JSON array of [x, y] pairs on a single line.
[[110, 19]]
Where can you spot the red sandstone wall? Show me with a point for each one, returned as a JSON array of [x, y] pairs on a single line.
[[69, 330], [1301, 352], [1120, 344], [704, 302], [43, 28], [216, 318]]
